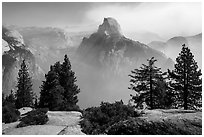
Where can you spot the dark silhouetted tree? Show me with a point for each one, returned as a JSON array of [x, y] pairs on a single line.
[[150, 86], [67, 81], [186, 80], [51, 91], [24, 94], [59, 91]]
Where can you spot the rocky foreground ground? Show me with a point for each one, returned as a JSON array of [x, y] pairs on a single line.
[[151, 122], [60, 123]]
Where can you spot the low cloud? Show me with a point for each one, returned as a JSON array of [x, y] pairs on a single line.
[[164, 19]]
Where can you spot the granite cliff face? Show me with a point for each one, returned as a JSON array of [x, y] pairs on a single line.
[[110, 27], [108, 46], [14, 52]]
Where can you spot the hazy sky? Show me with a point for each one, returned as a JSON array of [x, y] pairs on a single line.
[[165, 19]]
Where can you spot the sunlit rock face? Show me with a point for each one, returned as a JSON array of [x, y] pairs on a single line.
[[5, 46], [110, 27], [17, 36]]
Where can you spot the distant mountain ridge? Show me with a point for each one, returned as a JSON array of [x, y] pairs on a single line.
[[172, 47]]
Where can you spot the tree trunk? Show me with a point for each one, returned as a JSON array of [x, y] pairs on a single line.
[[185, 98], [151, 94], [185, 91]]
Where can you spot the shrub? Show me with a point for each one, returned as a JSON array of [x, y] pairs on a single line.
[[140, 126], [9, 113], [35, 117], [97, 119], [67, 107], [135, 126]]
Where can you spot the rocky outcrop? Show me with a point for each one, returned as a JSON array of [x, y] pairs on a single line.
[[60, 123]]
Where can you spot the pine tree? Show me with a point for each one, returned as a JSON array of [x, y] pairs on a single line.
[[67, 81], [59, 91], [51, 91], [24, 94], [186, 80], [150, 85]]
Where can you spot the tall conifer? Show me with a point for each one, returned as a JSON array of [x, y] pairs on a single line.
[[24, 94], [51, 91], [68, 82], [150, 85], [59, 90], [186, 80]]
